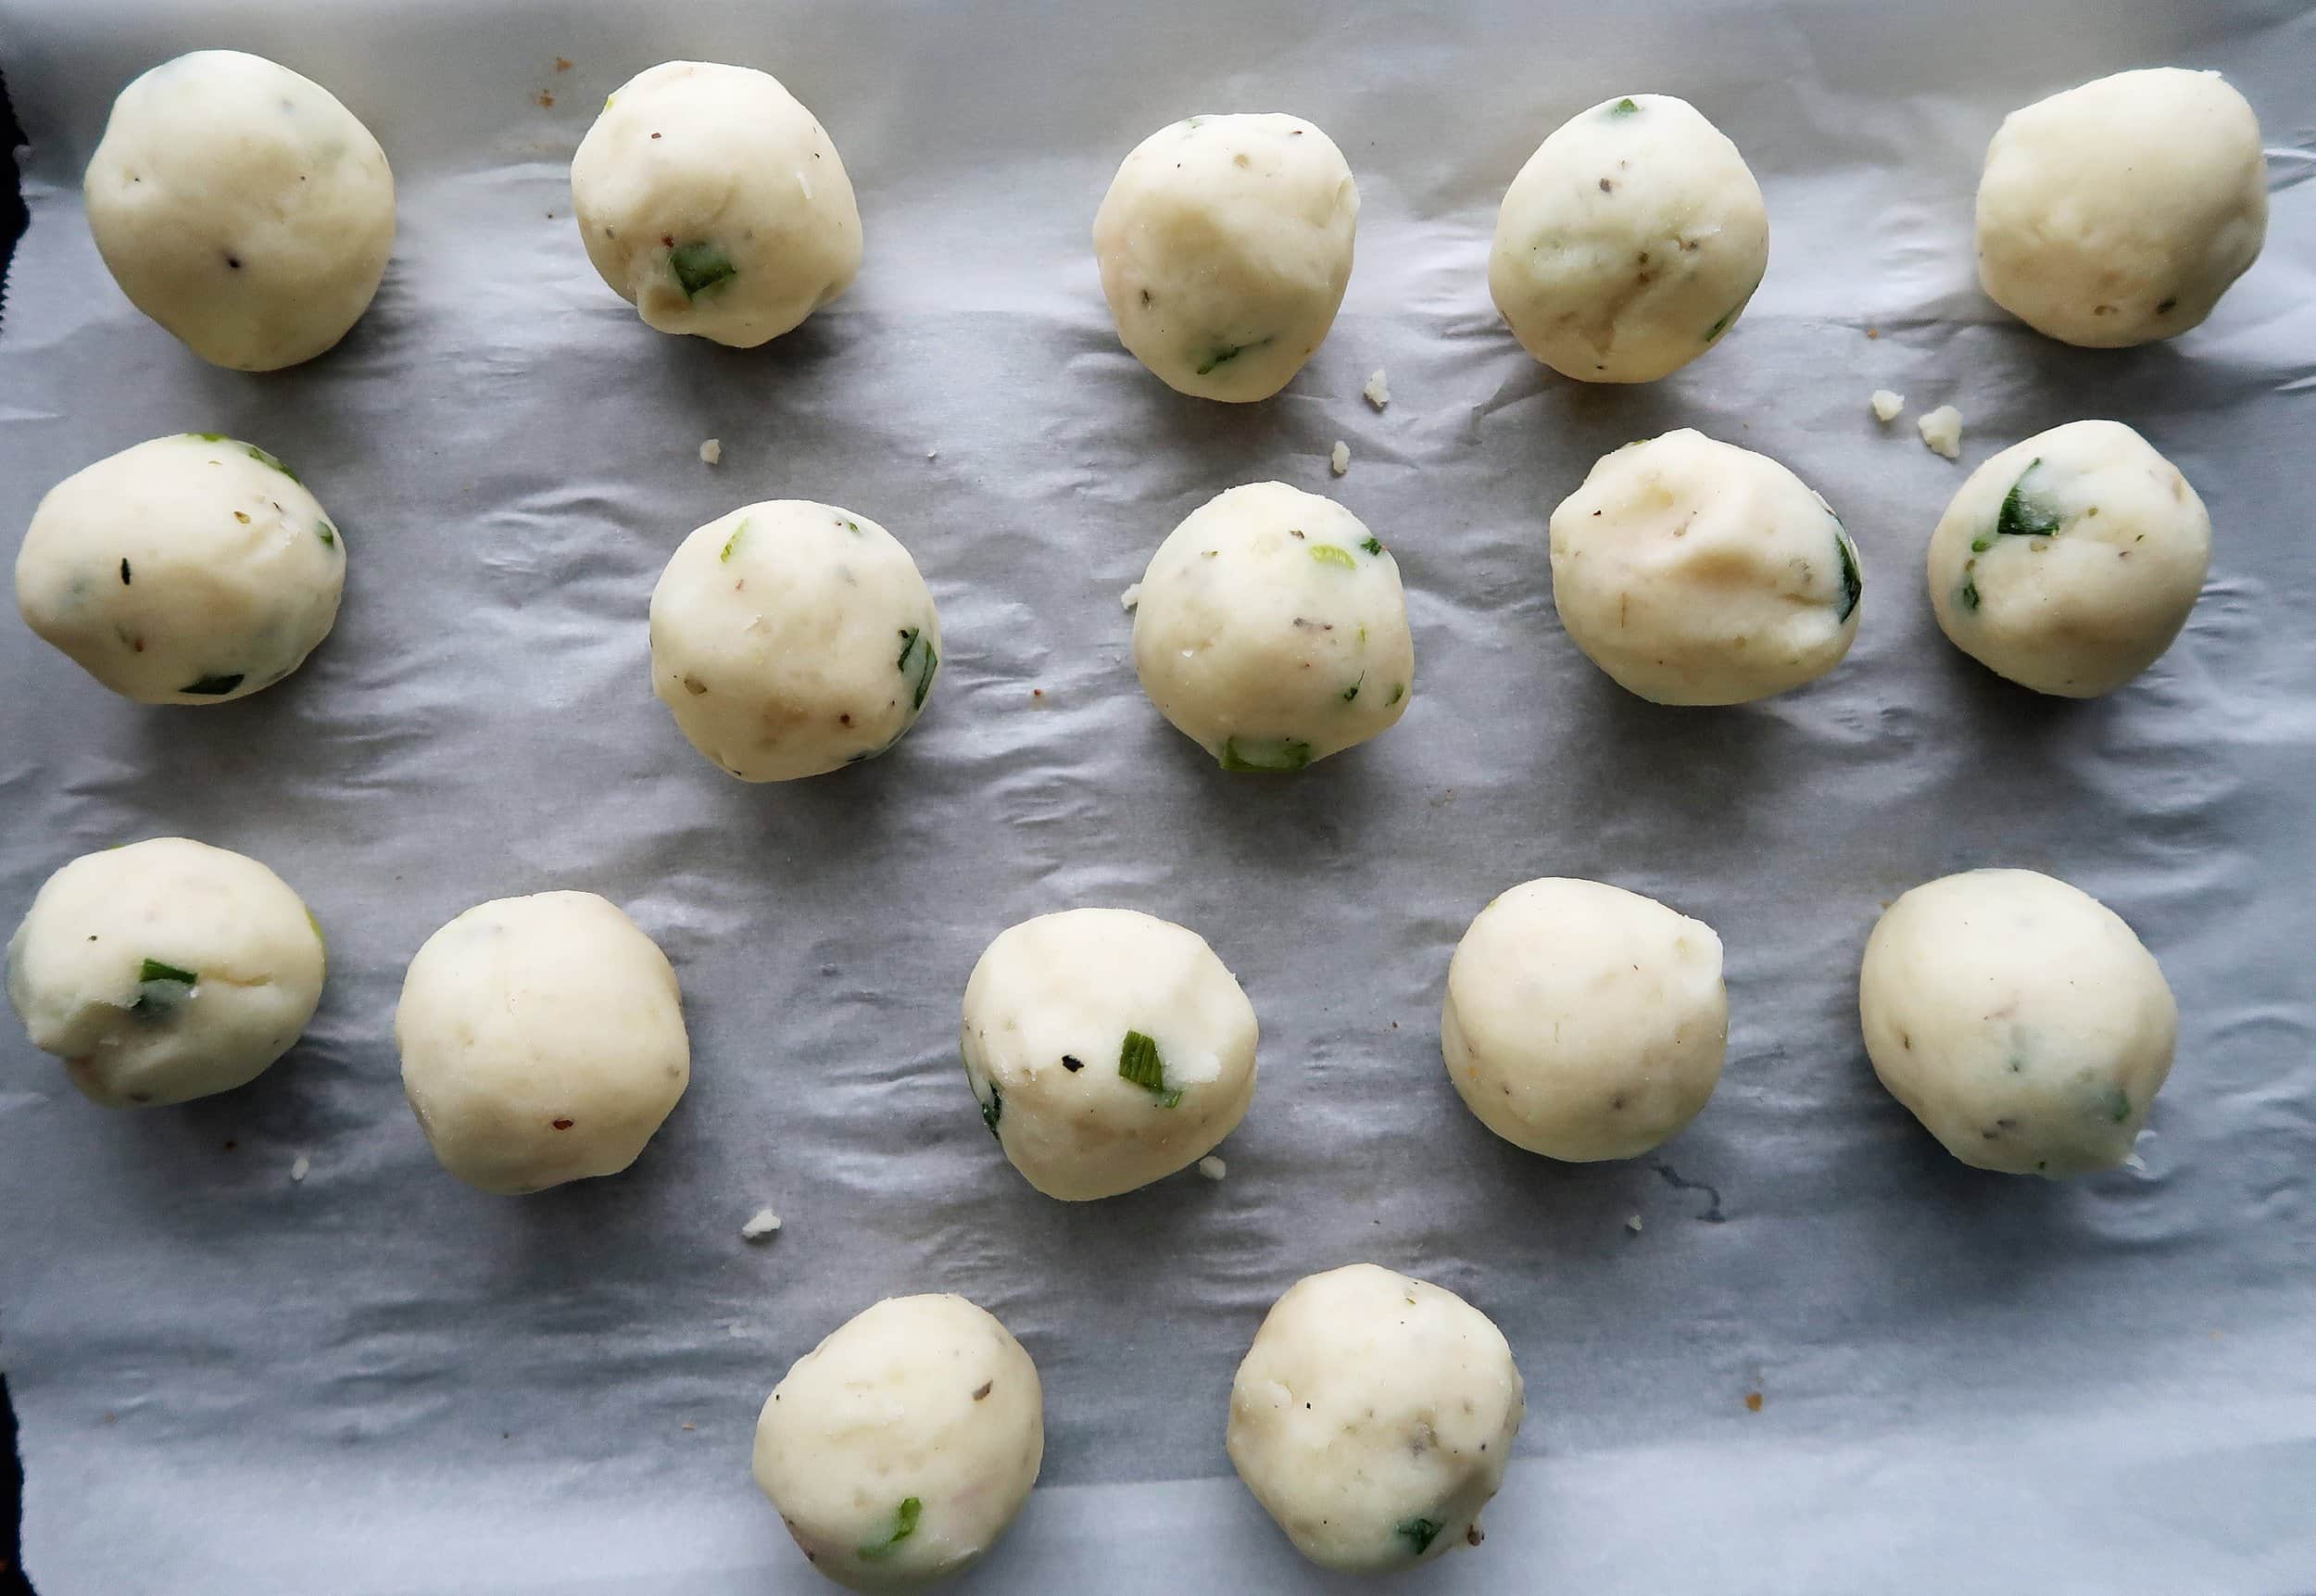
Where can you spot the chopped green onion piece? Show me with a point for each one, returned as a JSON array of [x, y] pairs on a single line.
[[1970, 593], [1351, 691], [328, 533], [210, 437], [264, 458], [212, 686], [852, 527], [1398, 692], [699, 267], [154, 970], [1265, 754], [913, 642], [2118, 1105], [1329, 554], [994, 1110], [1853, 583], [1981, 545], [2022, 515], [733, 542], [1373, 545], [1419, 1533], [1224, 354], [1623, 108], [904, 1525], [1139, 1062]]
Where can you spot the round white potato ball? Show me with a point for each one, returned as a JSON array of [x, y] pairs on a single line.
[[165, 970], [542, 1041], [2020, 1019], [900, 1449], [1630, 243], [1373, 1418], [242, 208], [715, 204], [1694, 572], [188, 569], [793, 638], [2068, 562], [1271, 629], [2118, 212], [1225, 244], [1107, 1048], [1584, 1022]]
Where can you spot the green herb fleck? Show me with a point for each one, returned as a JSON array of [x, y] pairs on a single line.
[[1139, 1062], [2023, 514], [1223, 354], [1970, 593], [733, 542], [1351, 691], [915, 644], [2118, 1105], [1398, 692], [210, 437], [212, 686], [264, 458], [851, 525], [994, 1110], [328, 533], [1329, 554], [154, 970], [1373, 545], [1853, 583], [1621, 109], [1265, 754], [904, 1525], [1981, 545], [699, 267], [1419, 1533], [1730, 315]]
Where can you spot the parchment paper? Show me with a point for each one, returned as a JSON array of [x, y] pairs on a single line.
[[377, 1381]]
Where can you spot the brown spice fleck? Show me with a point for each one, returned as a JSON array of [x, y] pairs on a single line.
[[546, 101], [1753, 1402], [1873, 331], [986, 1386], [561, 65], [562, 1124]]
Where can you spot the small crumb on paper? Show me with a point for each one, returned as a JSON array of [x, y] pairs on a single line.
[[1039, 698], [1339, 462], [1212, 1167], [712, 452], [1634, 1224], [1942, 432], [932, 454], [760, 1224], [1753, 1402], [1378, 391], [300, 1167], [1130, 597], [1886, 405]]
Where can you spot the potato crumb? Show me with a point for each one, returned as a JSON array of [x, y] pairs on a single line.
[[1379, 392], [300, 1167], [1634, 1224], [1339, 460], [763, 1222], [1942, 432], [1130, 597], [712, 452], [1212, 1167], [1886, 405]]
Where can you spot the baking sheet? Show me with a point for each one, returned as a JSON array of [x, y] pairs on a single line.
[[375, 1381]]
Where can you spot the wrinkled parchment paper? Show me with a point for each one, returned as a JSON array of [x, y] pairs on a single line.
[[377, 1381]]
